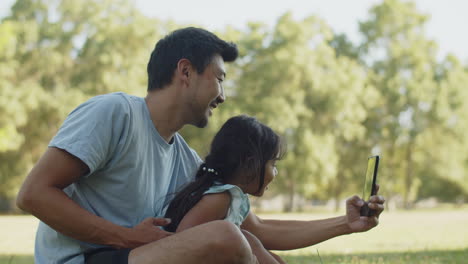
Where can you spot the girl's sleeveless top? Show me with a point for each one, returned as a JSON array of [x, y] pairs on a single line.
[[240, 205]]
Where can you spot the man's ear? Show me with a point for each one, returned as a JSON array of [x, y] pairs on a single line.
[[184, 69]]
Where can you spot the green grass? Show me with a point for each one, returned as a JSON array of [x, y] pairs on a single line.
[[431, 236], [16, 259], [17, 235], [429, 257], [420, 257]]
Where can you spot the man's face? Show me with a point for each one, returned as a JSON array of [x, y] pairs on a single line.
[[208, 91]]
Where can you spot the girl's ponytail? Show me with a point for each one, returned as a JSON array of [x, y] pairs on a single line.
[[190, 195]]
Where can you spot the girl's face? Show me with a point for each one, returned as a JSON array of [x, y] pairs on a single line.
[[270, 174]]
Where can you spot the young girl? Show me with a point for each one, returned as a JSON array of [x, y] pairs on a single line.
[[241, 161]]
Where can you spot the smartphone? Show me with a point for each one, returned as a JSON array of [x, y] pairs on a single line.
[[370, 184]]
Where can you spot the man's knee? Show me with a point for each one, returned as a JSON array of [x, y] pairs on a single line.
[[213, 242], [229, 242]]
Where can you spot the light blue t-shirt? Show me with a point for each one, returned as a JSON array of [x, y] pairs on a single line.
[[132, 169], [239, 207]]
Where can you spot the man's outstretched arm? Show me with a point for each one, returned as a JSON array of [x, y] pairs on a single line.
[[42, 195], [290, 234]]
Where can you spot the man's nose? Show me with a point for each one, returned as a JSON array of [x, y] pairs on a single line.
[[221, 98]]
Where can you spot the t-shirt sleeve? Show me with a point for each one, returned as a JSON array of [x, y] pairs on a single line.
[[196, 157], [91, 132]]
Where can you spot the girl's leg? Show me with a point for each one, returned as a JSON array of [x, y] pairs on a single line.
[[278, 258], [263, 256]]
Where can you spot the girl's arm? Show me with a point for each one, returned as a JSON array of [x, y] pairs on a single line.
[[210, 208], [299, 234], [293, 234]]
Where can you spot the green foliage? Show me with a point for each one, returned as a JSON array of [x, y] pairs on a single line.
[[413, 92], [53, 56]]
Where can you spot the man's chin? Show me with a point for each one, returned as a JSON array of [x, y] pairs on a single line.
[[203, 122]]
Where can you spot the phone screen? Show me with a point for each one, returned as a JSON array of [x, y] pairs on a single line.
[[371, 177]]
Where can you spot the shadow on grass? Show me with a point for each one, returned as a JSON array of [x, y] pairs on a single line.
[[416, 257]]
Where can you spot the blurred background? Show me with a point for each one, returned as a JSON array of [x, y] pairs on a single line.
[[339, 80]]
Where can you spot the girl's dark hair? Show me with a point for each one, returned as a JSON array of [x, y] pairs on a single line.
[[242, 145]]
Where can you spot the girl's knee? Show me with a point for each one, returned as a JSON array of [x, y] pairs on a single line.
[[262, 254], [253, 241]]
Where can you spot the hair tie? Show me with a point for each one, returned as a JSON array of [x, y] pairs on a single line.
[[204, 168]]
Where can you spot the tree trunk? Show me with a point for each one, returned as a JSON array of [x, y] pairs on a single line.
[[408, 173], [337, 191], [289, 203]]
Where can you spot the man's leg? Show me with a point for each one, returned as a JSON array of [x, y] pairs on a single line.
[[107, 256], [264, 256], [213, 242]]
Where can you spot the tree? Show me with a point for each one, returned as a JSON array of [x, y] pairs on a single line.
[[445, 143], [403, 61], [56, 54]]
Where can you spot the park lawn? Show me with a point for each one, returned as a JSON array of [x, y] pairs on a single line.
[[423, 257], [431, 236], [419, 257]]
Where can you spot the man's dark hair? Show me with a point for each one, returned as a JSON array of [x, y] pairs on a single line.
[[243, 145], [195, 44]]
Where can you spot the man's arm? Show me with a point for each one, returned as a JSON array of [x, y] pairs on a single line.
[[42, 195], [299, 234]]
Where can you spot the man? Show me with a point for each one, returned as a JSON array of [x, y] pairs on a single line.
[[106, 173]]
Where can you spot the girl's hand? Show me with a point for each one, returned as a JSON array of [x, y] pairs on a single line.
[[358, 223]]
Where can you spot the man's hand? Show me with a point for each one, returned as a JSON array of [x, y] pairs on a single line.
[[358, 223], [147, 231]]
